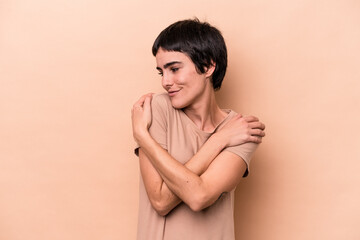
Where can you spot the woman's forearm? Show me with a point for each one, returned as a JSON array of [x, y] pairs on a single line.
[[166, 179], [162, 198], [180, 179]]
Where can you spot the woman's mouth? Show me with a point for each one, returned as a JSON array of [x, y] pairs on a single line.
[[173, 92]]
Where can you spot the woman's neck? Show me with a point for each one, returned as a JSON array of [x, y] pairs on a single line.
[[206, 113]]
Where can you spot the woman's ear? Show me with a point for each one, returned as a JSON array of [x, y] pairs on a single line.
[[210, 70]]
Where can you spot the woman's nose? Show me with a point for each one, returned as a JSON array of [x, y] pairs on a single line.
[[167, 81]]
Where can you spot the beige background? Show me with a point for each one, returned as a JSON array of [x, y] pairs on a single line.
[[71, 70]]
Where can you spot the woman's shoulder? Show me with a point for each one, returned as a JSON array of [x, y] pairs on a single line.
[[161, 102], [161, 97]]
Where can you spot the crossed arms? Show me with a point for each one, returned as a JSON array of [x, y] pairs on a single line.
[[201, 181]]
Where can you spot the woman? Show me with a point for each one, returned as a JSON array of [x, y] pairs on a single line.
[[192, 153]]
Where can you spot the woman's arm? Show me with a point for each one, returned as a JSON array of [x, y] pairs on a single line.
[[161, 197], [198, 192]]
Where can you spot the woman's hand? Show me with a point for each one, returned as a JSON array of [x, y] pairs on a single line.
[[241, 129], [141, 116]]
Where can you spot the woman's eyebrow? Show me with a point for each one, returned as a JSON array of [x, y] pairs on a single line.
[[168, 65]]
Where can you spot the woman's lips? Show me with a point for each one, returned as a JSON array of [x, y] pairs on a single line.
[[173, 93]]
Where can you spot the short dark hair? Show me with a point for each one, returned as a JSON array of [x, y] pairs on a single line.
[[202, 42]]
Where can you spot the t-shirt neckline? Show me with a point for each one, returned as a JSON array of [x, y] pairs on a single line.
[[194, 126]]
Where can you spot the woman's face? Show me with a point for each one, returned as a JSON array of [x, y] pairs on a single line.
[[180, 78]]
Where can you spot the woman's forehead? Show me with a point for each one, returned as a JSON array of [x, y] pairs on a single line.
[[163, 57]]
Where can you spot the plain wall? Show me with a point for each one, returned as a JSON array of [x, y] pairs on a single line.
[[71, 70]]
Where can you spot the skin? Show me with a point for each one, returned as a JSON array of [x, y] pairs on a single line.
[[201, 181]]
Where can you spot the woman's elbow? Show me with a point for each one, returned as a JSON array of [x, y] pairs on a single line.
[[160, 208], [196, 207], [199, 202], [162, 212]]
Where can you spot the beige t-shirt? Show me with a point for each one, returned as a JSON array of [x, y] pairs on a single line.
[[179, 135]]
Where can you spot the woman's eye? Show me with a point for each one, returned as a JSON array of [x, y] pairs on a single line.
[[174, 69], [160, 73]]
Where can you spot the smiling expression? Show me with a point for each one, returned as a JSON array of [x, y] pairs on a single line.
[[180, 78]]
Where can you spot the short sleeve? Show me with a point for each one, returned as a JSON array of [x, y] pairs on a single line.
[[158, 127], [245, 151]]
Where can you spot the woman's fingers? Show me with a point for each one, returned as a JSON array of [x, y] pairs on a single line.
[[257, 124], [147, 101], [255, 139], [241, 129], [141, 101], [251, 119], [256, 129], [141, 115], [257, 132]]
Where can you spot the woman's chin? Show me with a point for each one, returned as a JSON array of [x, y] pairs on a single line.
[[177, 104]]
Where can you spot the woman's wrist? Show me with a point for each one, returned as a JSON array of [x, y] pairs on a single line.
[[141, 135], [220, 139]]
